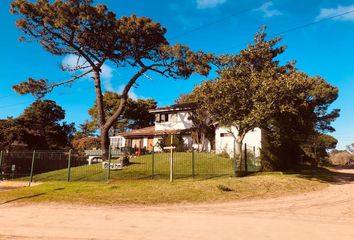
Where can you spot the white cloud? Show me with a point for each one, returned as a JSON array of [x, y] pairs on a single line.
[[107, 71], [268, 11], [72, 61], [328, 12], [202, 4]]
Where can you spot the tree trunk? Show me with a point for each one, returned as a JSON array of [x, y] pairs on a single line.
[[203, 142], [239, 159], [104, 138], [123, 102]]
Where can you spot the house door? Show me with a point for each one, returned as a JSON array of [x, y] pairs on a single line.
[[150, 144], [137, 143]]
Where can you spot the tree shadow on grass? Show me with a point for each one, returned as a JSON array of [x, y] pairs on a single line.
[[326, 175], [29, 196], [21, 198]]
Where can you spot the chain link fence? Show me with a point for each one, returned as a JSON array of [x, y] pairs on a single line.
[[74, 166]]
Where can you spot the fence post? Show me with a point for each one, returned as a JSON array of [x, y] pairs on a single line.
[[153, 162], [32, 165], [1, 157], [171, 160], [109, 164], [193, 160], [69, 165], [246, 158], [254, 155], [235, 160]]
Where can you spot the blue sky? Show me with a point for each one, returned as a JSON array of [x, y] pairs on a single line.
[[216, 26]]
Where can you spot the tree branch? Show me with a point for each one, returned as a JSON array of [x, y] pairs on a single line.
[[74, 78], [124, 98], [71, 44]]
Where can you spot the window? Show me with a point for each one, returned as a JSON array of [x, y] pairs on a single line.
[[164, 118], [157, 117], [225, 134], [161, 117]]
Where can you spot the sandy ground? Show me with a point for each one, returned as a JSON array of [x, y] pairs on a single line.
[[9, 185], [326, 214]]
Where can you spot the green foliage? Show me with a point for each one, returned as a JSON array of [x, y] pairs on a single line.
[[177, 141], [10, 132], [40, 126], [136, 113], [86, 143], [224, 154], [291, 132], [248, 90], [318, 146], [254, 90], [86, 130]]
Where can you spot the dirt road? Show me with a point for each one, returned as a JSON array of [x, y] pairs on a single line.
[[327, 214]]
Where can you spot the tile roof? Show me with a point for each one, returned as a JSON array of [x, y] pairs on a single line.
[[150, 132]]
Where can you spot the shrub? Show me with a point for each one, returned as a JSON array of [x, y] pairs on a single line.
[[178, 142], [224, 154], [340, 158]]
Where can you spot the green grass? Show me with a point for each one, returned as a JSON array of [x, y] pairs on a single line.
[[205, 165], [133, 184], [161, 191]]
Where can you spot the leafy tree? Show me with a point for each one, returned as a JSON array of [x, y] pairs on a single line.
[[40, 126], [84, 143], [290, 132], [177, 141], [10, 132], [136, 113], [248, 91], [254, 90], [96, 36], [86, 129], [318, 146], [203, 128]]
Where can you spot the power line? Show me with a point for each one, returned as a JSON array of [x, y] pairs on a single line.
[[6, 96], [208, 24], [295, 28], [236, 14], [219, 20]]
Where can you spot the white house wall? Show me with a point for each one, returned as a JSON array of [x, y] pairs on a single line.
[[145, 142], [226, 143], [176, 121]]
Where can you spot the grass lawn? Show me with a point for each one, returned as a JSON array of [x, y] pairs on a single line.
[[133, 184], [205, 165], [151, 192]]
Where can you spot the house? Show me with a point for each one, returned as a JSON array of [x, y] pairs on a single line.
[[169, 120], [225, 141], [175, 119]]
